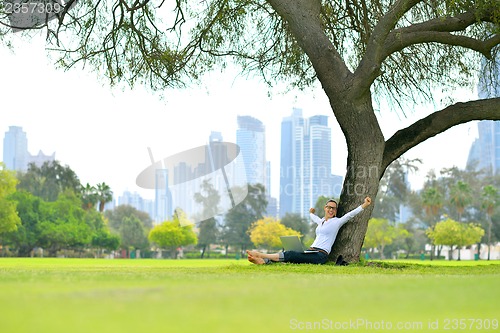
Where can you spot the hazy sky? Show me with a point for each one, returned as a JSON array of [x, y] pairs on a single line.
[[103, 134]]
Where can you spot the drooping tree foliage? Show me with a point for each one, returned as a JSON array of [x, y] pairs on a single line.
[[360, 52], [49, 180]]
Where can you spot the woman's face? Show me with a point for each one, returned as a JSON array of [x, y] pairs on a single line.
[[330, 209]]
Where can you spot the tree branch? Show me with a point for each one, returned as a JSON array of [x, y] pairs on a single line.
[[369, 67], [438, 122], [303, 18], [440, 30]]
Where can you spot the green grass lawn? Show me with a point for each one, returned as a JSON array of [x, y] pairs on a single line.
[[94, 296]]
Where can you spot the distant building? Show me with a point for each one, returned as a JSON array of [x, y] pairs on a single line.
[[272, 207], [163, 210], [306, 163], [184, 178], [41, 158], [215, 137], [135, 200], [251, 138], [485, 151], [15, 151]]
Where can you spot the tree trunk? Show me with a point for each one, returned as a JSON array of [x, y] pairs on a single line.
[[382, 255], [489, 235], [203, 251], [363, 175], [351, 103]]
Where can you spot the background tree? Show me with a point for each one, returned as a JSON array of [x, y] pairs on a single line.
[[103, 195], [89, 196], [170, 235], [101, 236], [471, 234], [31, 210], [490, 200], [207, 235], [495, 227], [115, 217], [460, 197], [132, 234], [454, 234], [208, 231], [394, 190], [240, 218], [402, 49], [298, 223], [445, 233], [414, 240], [266, 233], [49, 180], [380, 233], [432, 201], [104, 240], [9, 220], [64, 225]]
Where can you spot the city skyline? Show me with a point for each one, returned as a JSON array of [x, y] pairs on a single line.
[[133, 188], [304, 133]]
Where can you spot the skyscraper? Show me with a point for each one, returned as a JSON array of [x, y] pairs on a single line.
[[306, 156], [15, 149], [251, 138], [485, 151]]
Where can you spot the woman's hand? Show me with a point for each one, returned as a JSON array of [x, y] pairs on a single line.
[[368, 202], [312, 210]]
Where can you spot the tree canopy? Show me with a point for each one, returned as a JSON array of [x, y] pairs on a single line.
[[266, 232], [55, 225], [171, 234], [452, 233], [9, 220], [49, 180], [381, 233]]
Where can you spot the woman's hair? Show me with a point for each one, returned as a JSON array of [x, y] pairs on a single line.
[[331, 200]]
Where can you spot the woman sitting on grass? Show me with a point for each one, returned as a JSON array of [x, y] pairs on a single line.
[[326, 232]]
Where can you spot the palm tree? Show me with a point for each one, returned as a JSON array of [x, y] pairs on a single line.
[[89, 196], [460, 197], [490, 198], [432, 200], [104, 195]]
